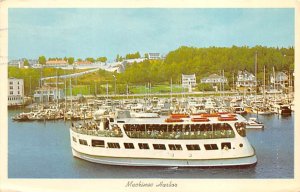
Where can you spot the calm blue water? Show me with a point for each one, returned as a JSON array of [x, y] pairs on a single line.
[[42, 150]]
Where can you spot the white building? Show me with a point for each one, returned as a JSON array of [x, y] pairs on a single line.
[[20, 63], [214, 79], [154, 56], [48, 94], [16, 63], [280, 79], [15, 91], [246, 79], [56, 63], [188, 81]]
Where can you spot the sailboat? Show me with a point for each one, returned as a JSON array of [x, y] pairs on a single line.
[[263, 109]]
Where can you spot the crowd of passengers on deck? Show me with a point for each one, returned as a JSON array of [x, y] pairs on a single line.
[[164, 131], [92, 128], [189, 131]]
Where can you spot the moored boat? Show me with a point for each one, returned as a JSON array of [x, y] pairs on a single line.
[[253, 123], [282, 109], [262, 111]]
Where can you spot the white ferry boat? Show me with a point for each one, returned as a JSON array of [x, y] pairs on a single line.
[[178, 140]]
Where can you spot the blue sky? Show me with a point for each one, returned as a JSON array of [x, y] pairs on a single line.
[[85, 33]]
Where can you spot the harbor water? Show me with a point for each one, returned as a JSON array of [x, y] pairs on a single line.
[[41, 149]]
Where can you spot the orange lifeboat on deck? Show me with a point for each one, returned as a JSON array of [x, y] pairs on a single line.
[[178, 116], [222, 113], [228, 118], [201, 119], [173, 120], [210, 115]]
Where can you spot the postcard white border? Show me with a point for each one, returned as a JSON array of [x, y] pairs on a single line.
[[119, 184]]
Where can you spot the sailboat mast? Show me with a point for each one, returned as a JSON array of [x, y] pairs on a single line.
[[57, 95], [274, 81], [71, 92], [264, 88], [223, 84], [255, 72]]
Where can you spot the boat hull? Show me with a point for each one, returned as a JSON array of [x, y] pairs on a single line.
[[156, 162]]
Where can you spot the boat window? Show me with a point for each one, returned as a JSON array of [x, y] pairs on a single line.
[[159, 146], [226, 145], [83, 142], [98, 143], [240, 128], [193, 147], [74, 139], [211, 146], [128, 145], [175, 147], [216, 127], [143, 146], [113, 145], [208, 127]]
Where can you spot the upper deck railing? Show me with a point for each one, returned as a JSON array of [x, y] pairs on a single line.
[[163, 131], [92, 129]]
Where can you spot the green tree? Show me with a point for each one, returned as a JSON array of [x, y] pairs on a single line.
[[119, 58], [133, 55], [42, 60], [71, 60], [26, 63], [101, 59], [205, 87], [206, 61], [90, 59]]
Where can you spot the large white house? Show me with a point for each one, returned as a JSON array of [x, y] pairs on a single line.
[[213, 79], [246, 79], [48, 94], [15, 91], [188, 81], [281, 79], [154, 56]]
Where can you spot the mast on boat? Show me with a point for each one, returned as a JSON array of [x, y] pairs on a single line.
[[274, 82], [71, 95], [255, 70], [264, 86]]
